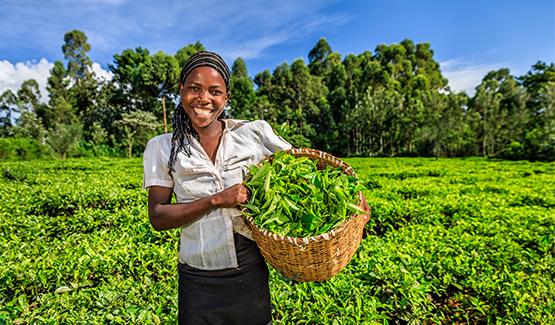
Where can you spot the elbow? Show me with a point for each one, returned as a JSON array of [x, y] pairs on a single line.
[[156, 225], [155, 221]]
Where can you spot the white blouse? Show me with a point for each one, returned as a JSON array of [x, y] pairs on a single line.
[[207, 244]]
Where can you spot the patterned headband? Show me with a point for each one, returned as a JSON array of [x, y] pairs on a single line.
[[206, 58]]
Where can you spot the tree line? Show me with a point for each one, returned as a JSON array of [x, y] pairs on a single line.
[[393, 101]]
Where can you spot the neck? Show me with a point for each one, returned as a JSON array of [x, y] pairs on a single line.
[[213, 130]]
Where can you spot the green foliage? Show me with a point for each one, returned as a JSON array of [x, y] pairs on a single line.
[[8, 106], [29, 126], [291, 135], [500, 104], [393, 101], [137, 127], [449, 241], [184, 53], [242, 92], [290, 196], [64, 138], [23, 149]]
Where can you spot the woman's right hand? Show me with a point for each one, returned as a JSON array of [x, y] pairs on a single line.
[[164, 215], [231, 197]]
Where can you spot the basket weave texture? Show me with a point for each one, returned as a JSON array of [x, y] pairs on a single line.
[[316, 258]]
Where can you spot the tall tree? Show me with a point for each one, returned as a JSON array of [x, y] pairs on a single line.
[[500, 103], [28, 95], [539, 82], [317, 58], [535, 82], [75, 50], [143, 79], [84, 88], [138, 127], [61, 109], [242, 92], [63, 137], [184, 53], [8, 107], [28, 101]]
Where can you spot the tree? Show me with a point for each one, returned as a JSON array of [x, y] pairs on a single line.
[[28, 95], [61, 109], [311, 109], [30, 126], [8, 107], [64, 137], [138, 127], [501, 105], [535, 82], [29, 123], [373, 124], [242, 92], [184, 53], [143, 80], [539, 140], [83, 91], [317, 58], [539, 83], [299, 99], [75, 50]]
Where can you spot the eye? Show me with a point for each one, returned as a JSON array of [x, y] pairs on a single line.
[[194, 89], [215, 92]]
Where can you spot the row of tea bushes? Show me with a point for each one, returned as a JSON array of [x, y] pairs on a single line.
[[449, 240]]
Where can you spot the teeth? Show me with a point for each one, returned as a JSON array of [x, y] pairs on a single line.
[[202, 111]]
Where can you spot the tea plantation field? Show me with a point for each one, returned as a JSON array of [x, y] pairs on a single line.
[[450, 240]]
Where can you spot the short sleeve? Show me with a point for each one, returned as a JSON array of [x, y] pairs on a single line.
[[271, 141], [155, 163]]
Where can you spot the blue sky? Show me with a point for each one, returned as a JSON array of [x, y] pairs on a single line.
[[469, 38]]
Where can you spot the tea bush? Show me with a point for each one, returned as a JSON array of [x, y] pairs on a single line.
[[449, 241]]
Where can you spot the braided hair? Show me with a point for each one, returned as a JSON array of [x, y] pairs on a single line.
[[183, 130]]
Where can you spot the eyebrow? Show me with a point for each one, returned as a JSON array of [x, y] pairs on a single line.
[[211, 86]]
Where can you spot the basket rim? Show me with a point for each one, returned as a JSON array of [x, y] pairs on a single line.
[[335, 231]]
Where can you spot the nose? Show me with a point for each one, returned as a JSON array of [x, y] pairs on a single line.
[[203, 95]]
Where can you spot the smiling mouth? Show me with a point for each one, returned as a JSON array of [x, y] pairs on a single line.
[[203, 111]]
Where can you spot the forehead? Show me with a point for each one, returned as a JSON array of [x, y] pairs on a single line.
[[205, 74]]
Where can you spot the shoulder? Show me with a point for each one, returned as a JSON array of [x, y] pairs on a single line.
[[159, 143], [244, 125], [162, 138]]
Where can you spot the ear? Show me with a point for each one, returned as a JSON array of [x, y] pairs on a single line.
[[181, 90]]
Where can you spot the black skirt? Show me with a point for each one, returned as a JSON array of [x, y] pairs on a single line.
[[232, 296]]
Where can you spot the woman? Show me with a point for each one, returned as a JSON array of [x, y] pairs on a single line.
[[223, 279]]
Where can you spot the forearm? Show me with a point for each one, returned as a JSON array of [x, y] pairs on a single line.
[[170, 216]]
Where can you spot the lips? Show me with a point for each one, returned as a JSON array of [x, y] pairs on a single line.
[[203, 111]]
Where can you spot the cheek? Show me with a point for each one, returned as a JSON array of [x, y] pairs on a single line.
[[186, 100], [219, 102]]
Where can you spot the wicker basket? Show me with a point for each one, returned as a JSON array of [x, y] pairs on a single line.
[[316, 258]]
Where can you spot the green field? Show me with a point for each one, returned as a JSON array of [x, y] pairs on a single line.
[[450, 240]]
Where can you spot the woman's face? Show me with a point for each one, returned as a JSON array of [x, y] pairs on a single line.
[[203, 96]]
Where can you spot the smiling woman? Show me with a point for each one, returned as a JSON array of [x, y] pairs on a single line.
[[223, 278], [203, 96]]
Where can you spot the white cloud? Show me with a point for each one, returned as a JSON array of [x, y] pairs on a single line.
[[100, 73], [253, 49], [13, 75], [282, 23], [465, 76], [246, 28]]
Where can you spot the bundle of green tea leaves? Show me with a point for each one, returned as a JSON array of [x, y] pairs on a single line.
[[291, 197]]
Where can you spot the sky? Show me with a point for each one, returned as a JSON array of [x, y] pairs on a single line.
[[469, 37]]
